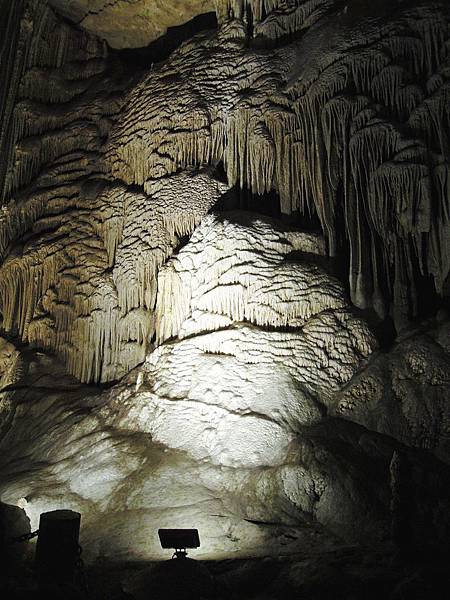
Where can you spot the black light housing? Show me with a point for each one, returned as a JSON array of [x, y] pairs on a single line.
[[179, 540]]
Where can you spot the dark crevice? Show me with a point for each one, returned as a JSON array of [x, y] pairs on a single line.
[[182, 241], [244, 199], [249, 19]]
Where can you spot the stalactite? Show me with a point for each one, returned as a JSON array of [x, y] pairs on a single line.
[[40, 43], [346, 125], [57, 292], [85, 285], [289, 17], [356, 133], [272, 19]]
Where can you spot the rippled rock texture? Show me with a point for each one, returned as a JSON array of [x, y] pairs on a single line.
[[208, 430], [167, 362], [226, 426]]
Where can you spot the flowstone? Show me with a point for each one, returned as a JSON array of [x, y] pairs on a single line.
[[208, 432], [163, 364], [107, 168]]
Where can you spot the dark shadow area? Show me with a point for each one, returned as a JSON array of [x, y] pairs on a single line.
[[428, 301], [162, 48], [384, 330], [267, 204]]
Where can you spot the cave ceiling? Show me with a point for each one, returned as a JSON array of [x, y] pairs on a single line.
[[130, 23], [168, 357]]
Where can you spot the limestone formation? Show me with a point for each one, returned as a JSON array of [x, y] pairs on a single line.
[[197, 417], [323, 128], [405, 394], [264, 329], [338, 122], [85, 287], [169, 359]]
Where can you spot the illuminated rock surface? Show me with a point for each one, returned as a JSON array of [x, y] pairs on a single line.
[[169, 359], [208, 430], [100, 162], [224, 429], [348, 120]]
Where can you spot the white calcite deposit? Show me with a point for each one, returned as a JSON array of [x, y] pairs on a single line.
[[207, 431], [167, 363]]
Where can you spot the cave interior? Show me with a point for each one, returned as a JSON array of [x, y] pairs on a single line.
[[225, 296]]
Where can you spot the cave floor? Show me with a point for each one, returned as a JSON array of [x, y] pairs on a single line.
[[344, 573]]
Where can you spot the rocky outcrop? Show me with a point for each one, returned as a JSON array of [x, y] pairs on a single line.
[[85, 284], [405, 393], [352, 128], [224, 427], [211, 421], [350, 121]]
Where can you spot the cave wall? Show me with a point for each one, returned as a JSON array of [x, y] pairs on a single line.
[[245, 388], [79, 279], [343, 112], [350, 120]]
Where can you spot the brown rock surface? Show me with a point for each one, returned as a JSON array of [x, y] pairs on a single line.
[[130, 23]]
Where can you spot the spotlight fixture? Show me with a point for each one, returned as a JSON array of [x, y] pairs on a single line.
[[179, 540]]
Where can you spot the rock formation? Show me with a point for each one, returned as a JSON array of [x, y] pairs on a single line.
[[130, 24], [168, 361]]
